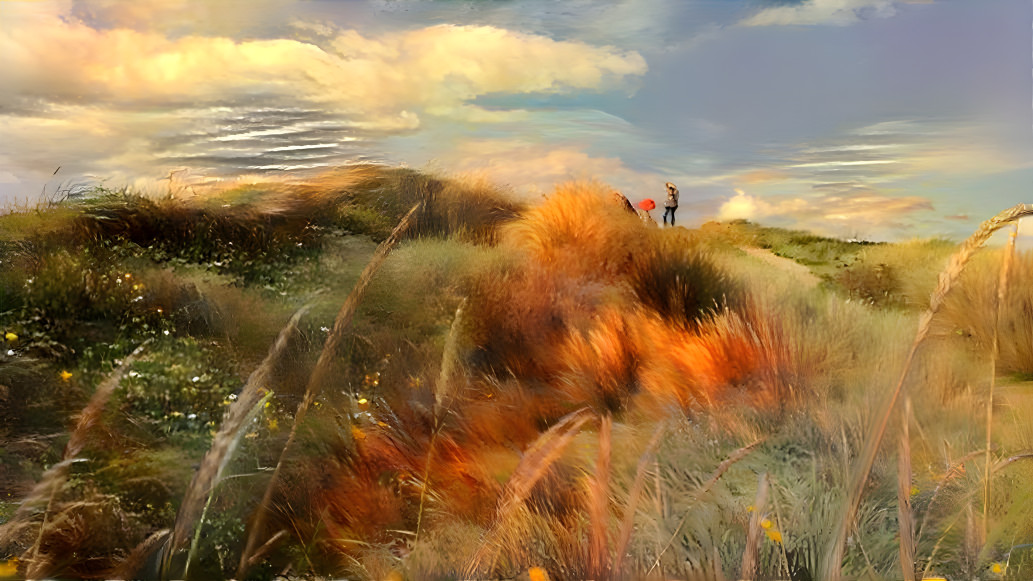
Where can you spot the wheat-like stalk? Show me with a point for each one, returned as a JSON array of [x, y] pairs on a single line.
[[721, 469], [995, 349], [956, 264], [598, 541], [241, 411], [905, 515], [53, 479], [753, 534], [324, 366], [537, 461], [624, 536], [442, 390]]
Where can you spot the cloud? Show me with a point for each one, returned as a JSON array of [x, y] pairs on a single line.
[[391, 77], [840, 212], [534, 170], [106, 84], [823, 12]]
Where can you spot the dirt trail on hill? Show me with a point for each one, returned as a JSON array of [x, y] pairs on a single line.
[[795, 269]]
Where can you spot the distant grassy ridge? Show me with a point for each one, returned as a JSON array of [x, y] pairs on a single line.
[[557, 388]]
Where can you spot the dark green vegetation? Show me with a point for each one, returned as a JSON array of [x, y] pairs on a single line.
[[561, 387]]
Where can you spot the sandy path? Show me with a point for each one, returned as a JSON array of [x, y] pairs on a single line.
[[799, 271]]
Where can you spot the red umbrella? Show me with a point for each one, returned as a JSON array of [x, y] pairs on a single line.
[[647, 204]]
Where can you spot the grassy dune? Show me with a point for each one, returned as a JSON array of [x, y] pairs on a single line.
[[303, 381]]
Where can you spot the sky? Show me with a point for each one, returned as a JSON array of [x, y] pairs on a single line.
[[872, 119]]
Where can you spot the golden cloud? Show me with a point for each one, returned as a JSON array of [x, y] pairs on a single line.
[[834, 214], [534, 170], [388, 78]]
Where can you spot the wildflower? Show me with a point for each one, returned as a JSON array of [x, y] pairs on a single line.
[[997, 568], [65, 375], [914, 490], [363, 401], [749, 508], [537, 574], [128, 275], [10, 352], [766, 524], [774, 535], [9, 568], [11, 337]]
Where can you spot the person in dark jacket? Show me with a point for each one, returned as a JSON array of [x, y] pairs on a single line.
[[672, 202]]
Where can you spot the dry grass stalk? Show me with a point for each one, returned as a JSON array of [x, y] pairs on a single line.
[[954, 470], [995, 349], [627, 524], [753, 534], [905, 516], [131, 566], [598, 543], [951, 473], [834, 556], [536, 462], [53, 479], [225, 441], [324, 366], [442, 390], [721, 469]]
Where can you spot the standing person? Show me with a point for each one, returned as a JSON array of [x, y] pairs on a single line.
[[672, 202]]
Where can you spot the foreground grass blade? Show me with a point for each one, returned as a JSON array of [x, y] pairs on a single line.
[[536, 462], [832, 567], [627, 525], [52, 481], [995, 349], [721, 469], [905, 515], [753, 534], [322, 370], [215, 460]]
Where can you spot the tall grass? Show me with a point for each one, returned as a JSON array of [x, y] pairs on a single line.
[[518, 391]]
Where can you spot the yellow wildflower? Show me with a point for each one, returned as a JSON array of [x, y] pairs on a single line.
[[997, 568], [11, 337], [914, 490], [537, 574], [749, 508], [9, 568], [65, 375], [774, 535], [766, 523]]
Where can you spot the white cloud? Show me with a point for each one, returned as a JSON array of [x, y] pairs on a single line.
[[823, 12], [390, 77], [534, 170], [835, 213]]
